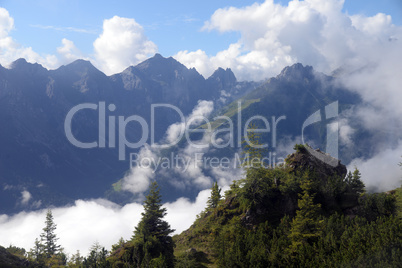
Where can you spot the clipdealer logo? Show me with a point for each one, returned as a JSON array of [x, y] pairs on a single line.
[[110, 124]]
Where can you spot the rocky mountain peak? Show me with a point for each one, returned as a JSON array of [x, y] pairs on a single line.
[[223, 78], [158, 62], [166, 70], [80, 66], [296, 71], [21, 65]]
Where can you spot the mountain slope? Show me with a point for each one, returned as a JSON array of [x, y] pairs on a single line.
[[306, 215], [287, 101]]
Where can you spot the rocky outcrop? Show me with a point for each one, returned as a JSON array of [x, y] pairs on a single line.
[[306, 158]]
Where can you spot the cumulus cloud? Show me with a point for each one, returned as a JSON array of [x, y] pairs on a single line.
[[86, 222], [68, 51], [196, 59], [121, 44], [273, 36], [6, 23]]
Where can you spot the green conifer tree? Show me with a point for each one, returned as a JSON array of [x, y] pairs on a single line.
[[215, 196], [37, 252], [48, 237], [152, 243], [356, 182], [305, 226]]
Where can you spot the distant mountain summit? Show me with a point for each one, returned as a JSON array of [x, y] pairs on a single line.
[[79, 67], [21, 65], [296, 71], [223, 79]]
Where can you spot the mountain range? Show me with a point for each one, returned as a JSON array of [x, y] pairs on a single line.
[[39, 166], [37, 159]]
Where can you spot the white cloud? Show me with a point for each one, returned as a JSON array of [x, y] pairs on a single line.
[[63, 29], [202, 110], [345, 132], [379, 81], [6, 23], [193, 173], [186, 171], [182, 213], [273, 36], [25, 197], [68, 51], [10, 50], [196, 59], [198, 116], [378, 25], [80, 225], [174, 131], [381, 172], [138, 179], [122, 43]]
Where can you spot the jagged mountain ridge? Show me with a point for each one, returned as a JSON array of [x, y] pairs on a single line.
[[35, 154]]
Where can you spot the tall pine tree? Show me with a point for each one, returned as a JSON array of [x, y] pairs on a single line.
[[215, 196], [305, 227], [152, 244], [356, 182], [48, 237]]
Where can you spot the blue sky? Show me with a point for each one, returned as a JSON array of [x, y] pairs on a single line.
[[172, 26]]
